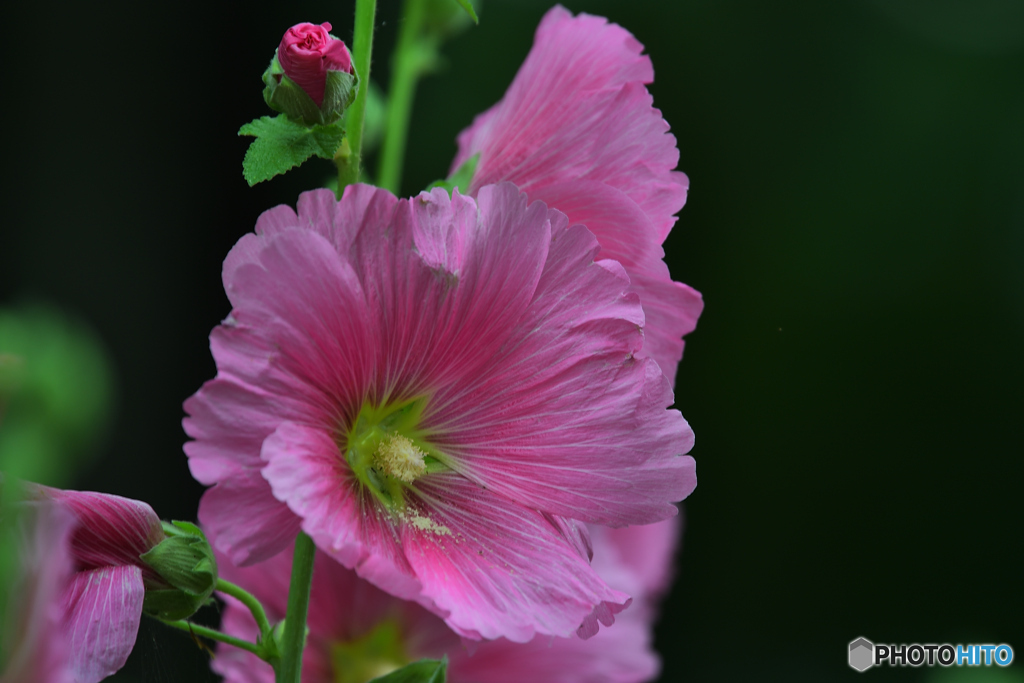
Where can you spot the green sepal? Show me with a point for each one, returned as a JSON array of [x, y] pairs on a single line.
[[339, 93], [422, 671], [286, 96], [461, 179], [170, 604], [281, 144], [185, 561]]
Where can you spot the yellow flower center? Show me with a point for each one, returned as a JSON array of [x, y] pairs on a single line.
[[398, 457], [388, 449]]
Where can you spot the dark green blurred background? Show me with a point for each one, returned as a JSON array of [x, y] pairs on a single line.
[[855, 222]]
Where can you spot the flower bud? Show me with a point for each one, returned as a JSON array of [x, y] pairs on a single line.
[[311, 77], [174, 570], [185, 561]]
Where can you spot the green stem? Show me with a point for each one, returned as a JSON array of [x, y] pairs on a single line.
[[213, 634], [407, 66], [349, 156], [250, 601], [294, 638]]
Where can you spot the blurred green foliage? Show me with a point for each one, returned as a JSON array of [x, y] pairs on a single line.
[[56, 392]]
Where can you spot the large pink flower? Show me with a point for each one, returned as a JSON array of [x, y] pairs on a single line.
[[577, 130], [357, 631], [438, 391]]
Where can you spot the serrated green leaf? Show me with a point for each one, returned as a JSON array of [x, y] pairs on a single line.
[[281, 144], [423, 671], [468, 6]]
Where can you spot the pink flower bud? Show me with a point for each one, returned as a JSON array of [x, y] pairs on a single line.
[[307, 52]]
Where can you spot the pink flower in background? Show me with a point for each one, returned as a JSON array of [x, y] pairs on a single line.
[[577, 130], [307, 52], [102, 601], [438, 391], [357, 631], [35, 646]]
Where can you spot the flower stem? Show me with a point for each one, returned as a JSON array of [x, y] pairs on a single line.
[[290, 670], [412, 56], [213, 634], [349, 156], [250, 601]]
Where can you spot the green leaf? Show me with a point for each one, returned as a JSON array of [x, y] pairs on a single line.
[[423, 671], [466, 5], [281, 144], [461, 179]]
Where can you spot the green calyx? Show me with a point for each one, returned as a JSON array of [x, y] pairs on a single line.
[[302, 130], [388, 450], [286, 96], [185, 561]]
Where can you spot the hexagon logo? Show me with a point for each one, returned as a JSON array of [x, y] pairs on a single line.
[[862, 654]]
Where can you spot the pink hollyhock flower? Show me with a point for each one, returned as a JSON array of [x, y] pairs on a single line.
[[577, 130], [357, 632], [35, 646], [437, 391], [103, 599], [307, 52]]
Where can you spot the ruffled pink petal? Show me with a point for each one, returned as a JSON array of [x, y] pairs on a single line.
[[103, 609], [577, 130], [307, 471], [228, 421], [497, 568], [626, 235], [249, 524], [304, 297], [572, 369], [362, 210], [578, 110], [645, 552], [637, 560], [671, 310], [111, 530], [622, 654], [622, 229]]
